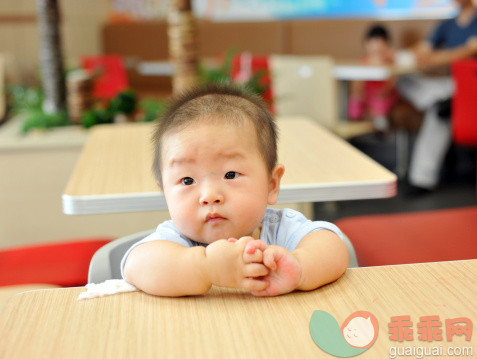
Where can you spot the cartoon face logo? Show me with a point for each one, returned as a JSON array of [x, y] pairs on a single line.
[[359, 332]]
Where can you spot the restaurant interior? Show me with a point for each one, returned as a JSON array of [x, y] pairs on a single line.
[[121, 61]]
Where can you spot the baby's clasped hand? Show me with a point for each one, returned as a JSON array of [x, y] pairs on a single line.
[[230, 265], [285, 270]]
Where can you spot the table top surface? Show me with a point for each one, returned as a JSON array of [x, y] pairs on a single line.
[[113, 173], [354, 70], [343, 69], [226, 323]]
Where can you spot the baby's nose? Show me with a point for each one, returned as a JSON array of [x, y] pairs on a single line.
[[211, 195]]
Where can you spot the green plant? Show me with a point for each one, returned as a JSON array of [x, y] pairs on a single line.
[[21, 98], [125, 102], [152, 109], [220, 73], [36, 118], [96, 117], [223, 74], [27, 101]]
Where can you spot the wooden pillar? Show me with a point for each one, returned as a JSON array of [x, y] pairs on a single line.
[[51, 57], [182, 32]]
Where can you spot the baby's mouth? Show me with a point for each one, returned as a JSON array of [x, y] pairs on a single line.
[[214, 218]]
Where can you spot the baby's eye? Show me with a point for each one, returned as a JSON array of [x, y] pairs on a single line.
[[187, 181], [231, 175]]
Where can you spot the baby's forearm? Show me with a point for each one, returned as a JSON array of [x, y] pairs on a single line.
[[168, 269], [191, 277], [323, 257]]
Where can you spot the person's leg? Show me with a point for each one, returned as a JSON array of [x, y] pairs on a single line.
[[355, 108], [356, 101], [432, 144], [423, 91], [379, 107]]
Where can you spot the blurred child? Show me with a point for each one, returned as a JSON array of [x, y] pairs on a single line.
[[374, 99], [216, 162]]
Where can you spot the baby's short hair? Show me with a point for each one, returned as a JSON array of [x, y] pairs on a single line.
[[377, 31], [231, 103]]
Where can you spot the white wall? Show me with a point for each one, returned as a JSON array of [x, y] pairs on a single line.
[[81, 25], [34, 171]]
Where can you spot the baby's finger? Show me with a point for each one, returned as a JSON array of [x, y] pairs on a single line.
[[256, 257], [255, 270], [269, 258], [232, 240], [245, 240], [254, 285], [254, 245]]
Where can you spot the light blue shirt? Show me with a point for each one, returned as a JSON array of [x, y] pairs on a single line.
[[280, 227]]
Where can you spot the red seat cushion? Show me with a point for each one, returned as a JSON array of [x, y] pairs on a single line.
[[413, 237], [65, 264]]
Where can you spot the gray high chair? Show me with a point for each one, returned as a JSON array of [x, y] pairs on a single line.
[[106, 262]]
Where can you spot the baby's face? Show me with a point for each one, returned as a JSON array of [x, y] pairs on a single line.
[[215, 182], [377, 49]]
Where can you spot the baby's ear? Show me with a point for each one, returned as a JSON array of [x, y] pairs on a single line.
[[274, 184]]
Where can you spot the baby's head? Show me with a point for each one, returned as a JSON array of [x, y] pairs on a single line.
[[216, 161], [377, 42]]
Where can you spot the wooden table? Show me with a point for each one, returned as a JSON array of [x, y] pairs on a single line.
[[353, 70], [114, 173], [233, 324], [342, 70]]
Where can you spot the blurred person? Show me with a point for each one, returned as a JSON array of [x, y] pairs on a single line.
[[374, 99], [451, 40]]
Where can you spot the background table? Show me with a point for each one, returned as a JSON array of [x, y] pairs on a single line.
[[342, 70], [233, 324], [114, 172], [352, 70]]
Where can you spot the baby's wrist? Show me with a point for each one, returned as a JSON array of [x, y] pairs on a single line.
[[302, 280], [200, 258], [210, 272], [215, 268]]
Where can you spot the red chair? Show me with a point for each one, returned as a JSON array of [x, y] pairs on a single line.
[[245, 65], [111, 75], [65, 264], [413, 237], [464, 109]]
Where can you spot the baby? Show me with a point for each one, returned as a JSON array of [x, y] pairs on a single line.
[[216, 163]]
